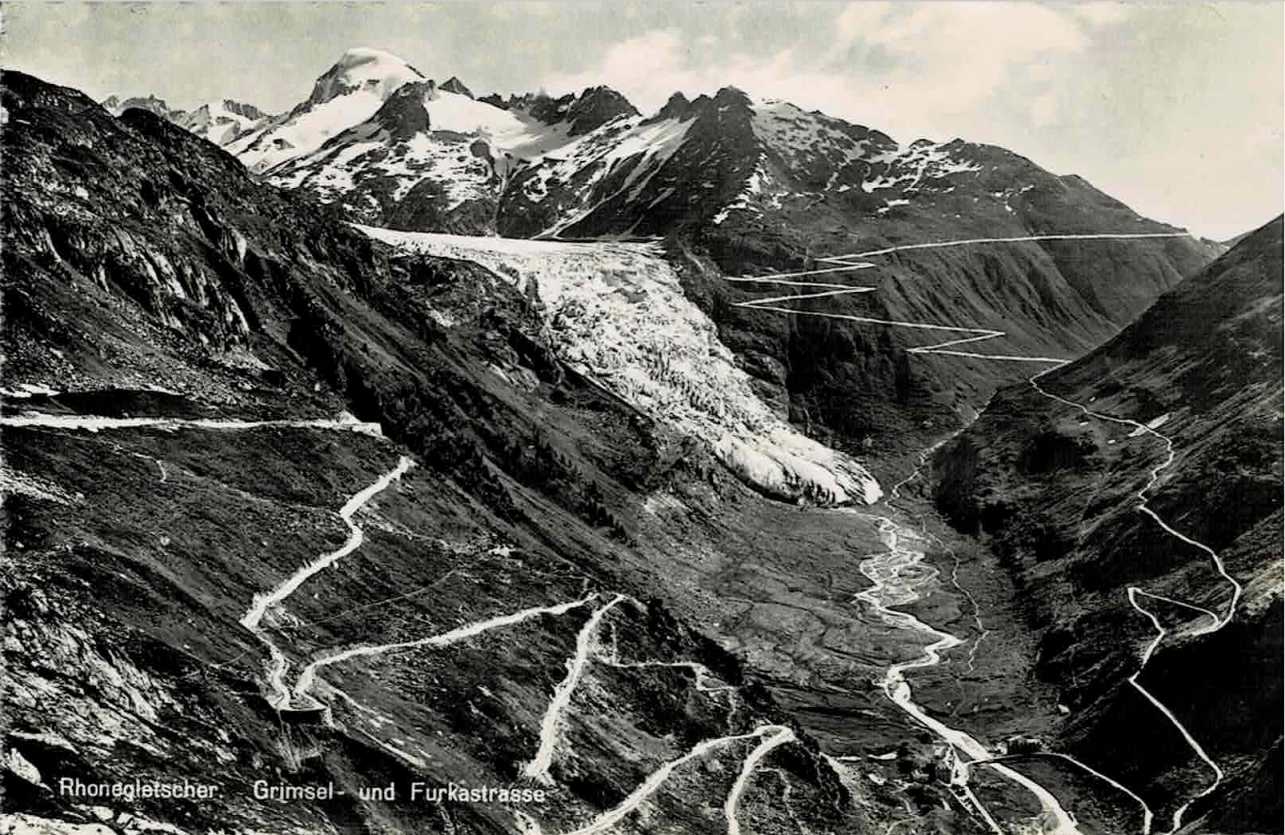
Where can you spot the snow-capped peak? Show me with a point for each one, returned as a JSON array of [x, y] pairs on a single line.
[[347, 94], [365, 69]]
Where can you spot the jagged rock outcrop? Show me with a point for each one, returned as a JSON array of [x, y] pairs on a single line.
[[404, 115], [117, 105], [581, 112], [454, 85]]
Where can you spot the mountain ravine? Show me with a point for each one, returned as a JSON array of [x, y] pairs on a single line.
[[424, 460], [1147, 473]]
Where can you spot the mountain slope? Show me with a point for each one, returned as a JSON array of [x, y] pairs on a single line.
[[247, 449], [434, 157], [617, 314], [1199, 374], [428, 156]]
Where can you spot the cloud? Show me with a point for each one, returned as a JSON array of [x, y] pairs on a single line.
[[949, 57], [906, 68], [646, 68], [1100, 14], [1059, 83]]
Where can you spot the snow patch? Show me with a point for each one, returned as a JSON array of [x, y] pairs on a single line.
[[910, 167]]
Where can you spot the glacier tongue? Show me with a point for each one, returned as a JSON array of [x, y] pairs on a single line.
[[618, 313]]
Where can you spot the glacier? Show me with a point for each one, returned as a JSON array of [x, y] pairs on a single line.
[[618, 314]]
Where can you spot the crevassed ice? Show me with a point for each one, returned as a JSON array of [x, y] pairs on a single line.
[[617, 312]]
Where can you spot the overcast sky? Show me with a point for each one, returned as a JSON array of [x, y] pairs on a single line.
[[1175, 109]]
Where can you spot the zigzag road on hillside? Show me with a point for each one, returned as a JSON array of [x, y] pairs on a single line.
[[853, 261], [263, 603], [770, 736], [303, 686], [1215, 622], [550, 726]]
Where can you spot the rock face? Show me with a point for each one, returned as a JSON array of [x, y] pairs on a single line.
[[637, 176], [150, 103], [581, 112], [1056, 490], [557, 591], [454, 85]]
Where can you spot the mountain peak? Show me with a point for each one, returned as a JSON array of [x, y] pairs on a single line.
[[677, 107], [732, 95], [454, 85], [595, 107], [359, 55], [363, 68], [241, 108], [585, 111]]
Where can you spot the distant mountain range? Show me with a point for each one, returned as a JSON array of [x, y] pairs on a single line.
[[740, 185], [219, 122]]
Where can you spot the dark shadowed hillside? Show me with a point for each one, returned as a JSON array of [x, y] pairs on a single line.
[[1198, 377]]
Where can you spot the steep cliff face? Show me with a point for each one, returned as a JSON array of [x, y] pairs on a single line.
[[285, 505], [1192, 393]]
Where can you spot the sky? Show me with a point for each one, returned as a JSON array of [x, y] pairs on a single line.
[[1176, 109]]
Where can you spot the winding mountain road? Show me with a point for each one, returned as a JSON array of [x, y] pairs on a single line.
[[303, 685], [551, 725], [769, 736], [262, 603], [856, 261], [886, 571], [99, 423], [1213, 622]]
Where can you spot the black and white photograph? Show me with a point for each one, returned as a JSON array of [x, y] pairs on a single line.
[[627, 417]]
